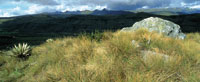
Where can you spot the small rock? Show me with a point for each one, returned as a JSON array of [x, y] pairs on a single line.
[[149, 54], [134, 43]]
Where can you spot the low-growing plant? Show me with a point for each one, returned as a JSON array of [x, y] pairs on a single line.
[[49, 40], [21, 50]]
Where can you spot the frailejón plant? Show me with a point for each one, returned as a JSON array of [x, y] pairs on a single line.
[[21, 50]]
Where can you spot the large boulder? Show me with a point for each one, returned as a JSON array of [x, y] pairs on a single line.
[[160, 25]]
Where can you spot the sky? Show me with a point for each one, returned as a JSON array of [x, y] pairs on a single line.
[[10, 8]]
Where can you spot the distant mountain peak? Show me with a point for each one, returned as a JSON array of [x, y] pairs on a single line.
[[169, 11], [104, 9]]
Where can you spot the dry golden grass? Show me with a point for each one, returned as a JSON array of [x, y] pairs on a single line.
[[112, 59]]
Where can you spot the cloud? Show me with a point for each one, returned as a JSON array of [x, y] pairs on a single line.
[[41, 2], [118, 4], [10, 12], [33, 9], [82, 8], [23, 7], [195, 7], [16, 8], [145, 7], [111, 4], [190, 1], [5, 14]]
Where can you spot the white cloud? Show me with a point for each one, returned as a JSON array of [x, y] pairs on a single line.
[[6, 14], [33, 9], [16, 9], [64, 8], [61, 7], [195, 7], [10, 12], [75, 8], [145, 7], [100, 7], [183, 4]]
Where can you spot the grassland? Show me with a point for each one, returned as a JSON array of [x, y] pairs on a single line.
[[4, 20], [107, 57]]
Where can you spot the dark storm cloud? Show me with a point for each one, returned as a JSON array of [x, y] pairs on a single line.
[[118, 4], [41, 2], [190, 1], [111, 4], [22, 7], [134, 4]]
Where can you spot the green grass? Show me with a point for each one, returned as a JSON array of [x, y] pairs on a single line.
[[107, 57], [4, 20]]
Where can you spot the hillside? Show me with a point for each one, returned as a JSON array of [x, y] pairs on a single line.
[[48, 23], [107, 57], [99, 40], [35, 29], [151, 50]]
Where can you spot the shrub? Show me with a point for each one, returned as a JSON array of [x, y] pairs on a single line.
[[21, 50], [2, 61], [49, 40]]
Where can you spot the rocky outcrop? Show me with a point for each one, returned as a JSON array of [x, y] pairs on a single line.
[[160, 25]]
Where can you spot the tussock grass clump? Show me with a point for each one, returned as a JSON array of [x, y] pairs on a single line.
[[111, 58]]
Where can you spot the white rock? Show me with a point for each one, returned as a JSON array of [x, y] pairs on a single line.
[[160, 25], [134, 43], [150, 54]]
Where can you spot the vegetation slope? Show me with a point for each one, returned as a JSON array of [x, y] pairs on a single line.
[[107, 57], [35, 29]]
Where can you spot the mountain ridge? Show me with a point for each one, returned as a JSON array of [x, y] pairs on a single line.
[[45, 23], [157, 11]]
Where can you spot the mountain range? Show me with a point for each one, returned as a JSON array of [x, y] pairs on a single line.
[[157, 11], [95, 12], [169, 11]]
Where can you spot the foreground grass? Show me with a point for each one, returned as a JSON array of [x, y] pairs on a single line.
[[110, 57]]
